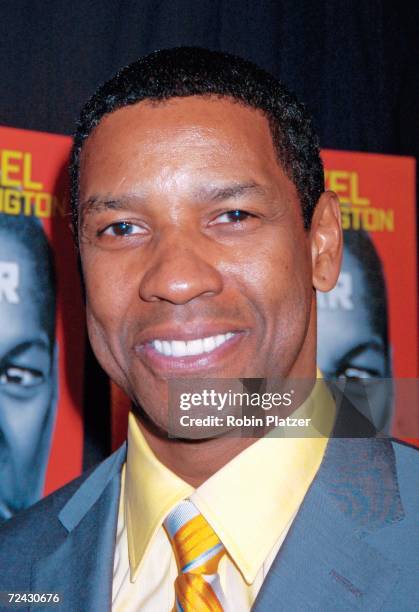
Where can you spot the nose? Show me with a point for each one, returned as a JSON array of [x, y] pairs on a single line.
[[180, 270]]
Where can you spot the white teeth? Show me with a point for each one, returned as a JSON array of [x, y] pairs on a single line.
[[195, 347], [209, 344], [181, 348], [167, 348], [178, 348]]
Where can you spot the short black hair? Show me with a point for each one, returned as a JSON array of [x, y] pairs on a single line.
[[193, 71], [361, 247], [29, 233]]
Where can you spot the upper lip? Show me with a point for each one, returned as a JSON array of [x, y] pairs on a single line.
[[186, 331]]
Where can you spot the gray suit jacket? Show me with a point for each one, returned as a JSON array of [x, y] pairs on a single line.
[[354, 544]]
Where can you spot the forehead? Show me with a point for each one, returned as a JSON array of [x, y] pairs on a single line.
[[349, 299], [12, 249], [13, 246], [346, 313], [204, 131], [359, 286], [175, 115], [20, 277]]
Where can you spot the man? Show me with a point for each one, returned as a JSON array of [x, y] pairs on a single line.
[[352, 322], [28, 385], [204, 234]]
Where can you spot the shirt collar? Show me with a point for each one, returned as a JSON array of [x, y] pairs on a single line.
[[249, 502], [151, 491]]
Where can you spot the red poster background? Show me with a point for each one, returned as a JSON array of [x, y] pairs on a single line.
[[388, 184], [48, 155]]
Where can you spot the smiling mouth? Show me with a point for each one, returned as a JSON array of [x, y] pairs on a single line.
[[190, 348]]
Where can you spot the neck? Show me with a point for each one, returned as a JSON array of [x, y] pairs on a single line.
[[192, 461], [196, 461]]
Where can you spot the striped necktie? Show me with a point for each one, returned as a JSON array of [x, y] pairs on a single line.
[[198, 551]]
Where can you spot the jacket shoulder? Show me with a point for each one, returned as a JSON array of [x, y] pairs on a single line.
[[33, 535], [407, 465], [42, 522], [26, 537], [26, 532]]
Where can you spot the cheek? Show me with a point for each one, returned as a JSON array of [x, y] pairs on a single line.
[[22, 422], [108, 330], [275, 278], [109, 292], [116, 267], [104, 331]]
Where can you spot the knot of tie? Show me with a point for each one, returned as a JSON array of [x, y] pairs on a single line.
[[198, 551]]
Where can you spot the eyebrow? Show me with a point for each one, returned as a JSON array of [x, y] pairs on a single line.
[[97, 204], [23, 347], [236, 190], [374, 345]]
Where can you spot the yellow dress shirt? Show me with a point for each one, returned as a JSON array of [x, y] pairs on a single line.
[[250, 503]]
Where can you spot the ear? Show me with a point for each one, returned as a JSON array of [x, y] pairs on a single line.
[[326, 241]]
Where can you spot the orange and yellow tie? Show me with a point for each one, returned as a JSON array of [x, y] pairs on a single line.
[[198, 551]]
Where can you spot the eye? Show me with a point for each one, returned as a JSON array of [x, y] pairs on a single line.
[[22, 377], [122, 228], [353, 372], [234, 216]]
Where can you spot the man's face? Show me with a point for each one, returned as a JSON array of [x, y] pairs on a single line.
[[27, 382], [348, 345], [194, 254]]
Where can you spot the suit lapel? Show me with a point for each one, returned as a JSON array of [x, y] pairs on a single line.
[[80, 567], [325, 562], [323, 565]]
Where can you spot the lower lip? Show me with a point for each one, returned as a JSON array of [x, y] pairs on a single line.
[[192, 363]]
